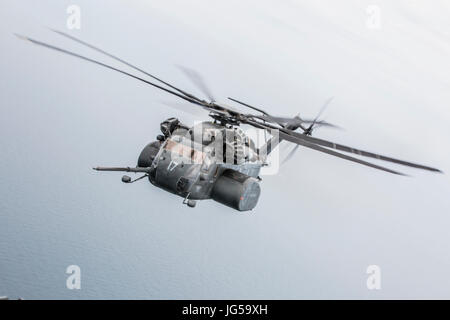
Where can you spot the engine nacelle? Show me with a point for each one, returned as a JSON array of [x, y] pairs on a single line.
[[236, 190]]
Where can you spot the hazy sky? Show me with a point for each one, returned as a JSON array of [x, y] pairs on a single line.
[[319, 223]]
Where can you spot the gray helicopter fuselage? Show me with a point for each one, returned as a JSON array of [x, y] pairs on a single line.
[[207, 161]]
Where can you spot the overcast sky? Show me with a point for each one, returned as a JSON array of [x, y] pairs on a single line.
[[320, 222]]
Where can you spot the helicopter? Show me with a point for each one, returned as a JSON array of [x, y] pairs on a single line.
[[217, 159]]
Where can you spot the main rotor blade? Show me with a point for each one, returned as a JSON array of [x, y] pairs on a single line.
[[285, 121], [198, 80], [124, 62], [39, 43], [344, 148], [349, 158], [363, 153], [293, 139], [249, 106], [295, 121]]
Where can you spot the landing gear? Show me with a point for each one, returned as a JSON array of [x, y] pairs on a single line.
[[190, 203], [127, 179]]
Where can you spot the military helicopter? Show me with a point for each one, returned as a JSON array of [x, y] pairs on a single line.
[[217, 159]]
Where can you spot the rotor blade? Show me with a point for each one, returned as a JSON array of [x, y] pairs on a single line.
[[322, 110], [193, 75], [124, 62], [109, 67], [249, 106], [295, 121], [344, 148], [360, 152], [197, 79], [293, 139], [349, 158], [185, 107]]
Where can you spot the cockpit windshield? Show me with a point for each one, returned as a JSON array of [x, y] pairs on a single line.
[[185, 151]]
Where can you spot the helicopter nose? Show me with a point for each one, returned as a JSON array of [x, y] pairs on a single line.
[[148, 154]]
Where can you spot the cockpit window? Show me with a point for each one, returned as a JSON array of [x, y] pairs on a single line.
[[196, 156]]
